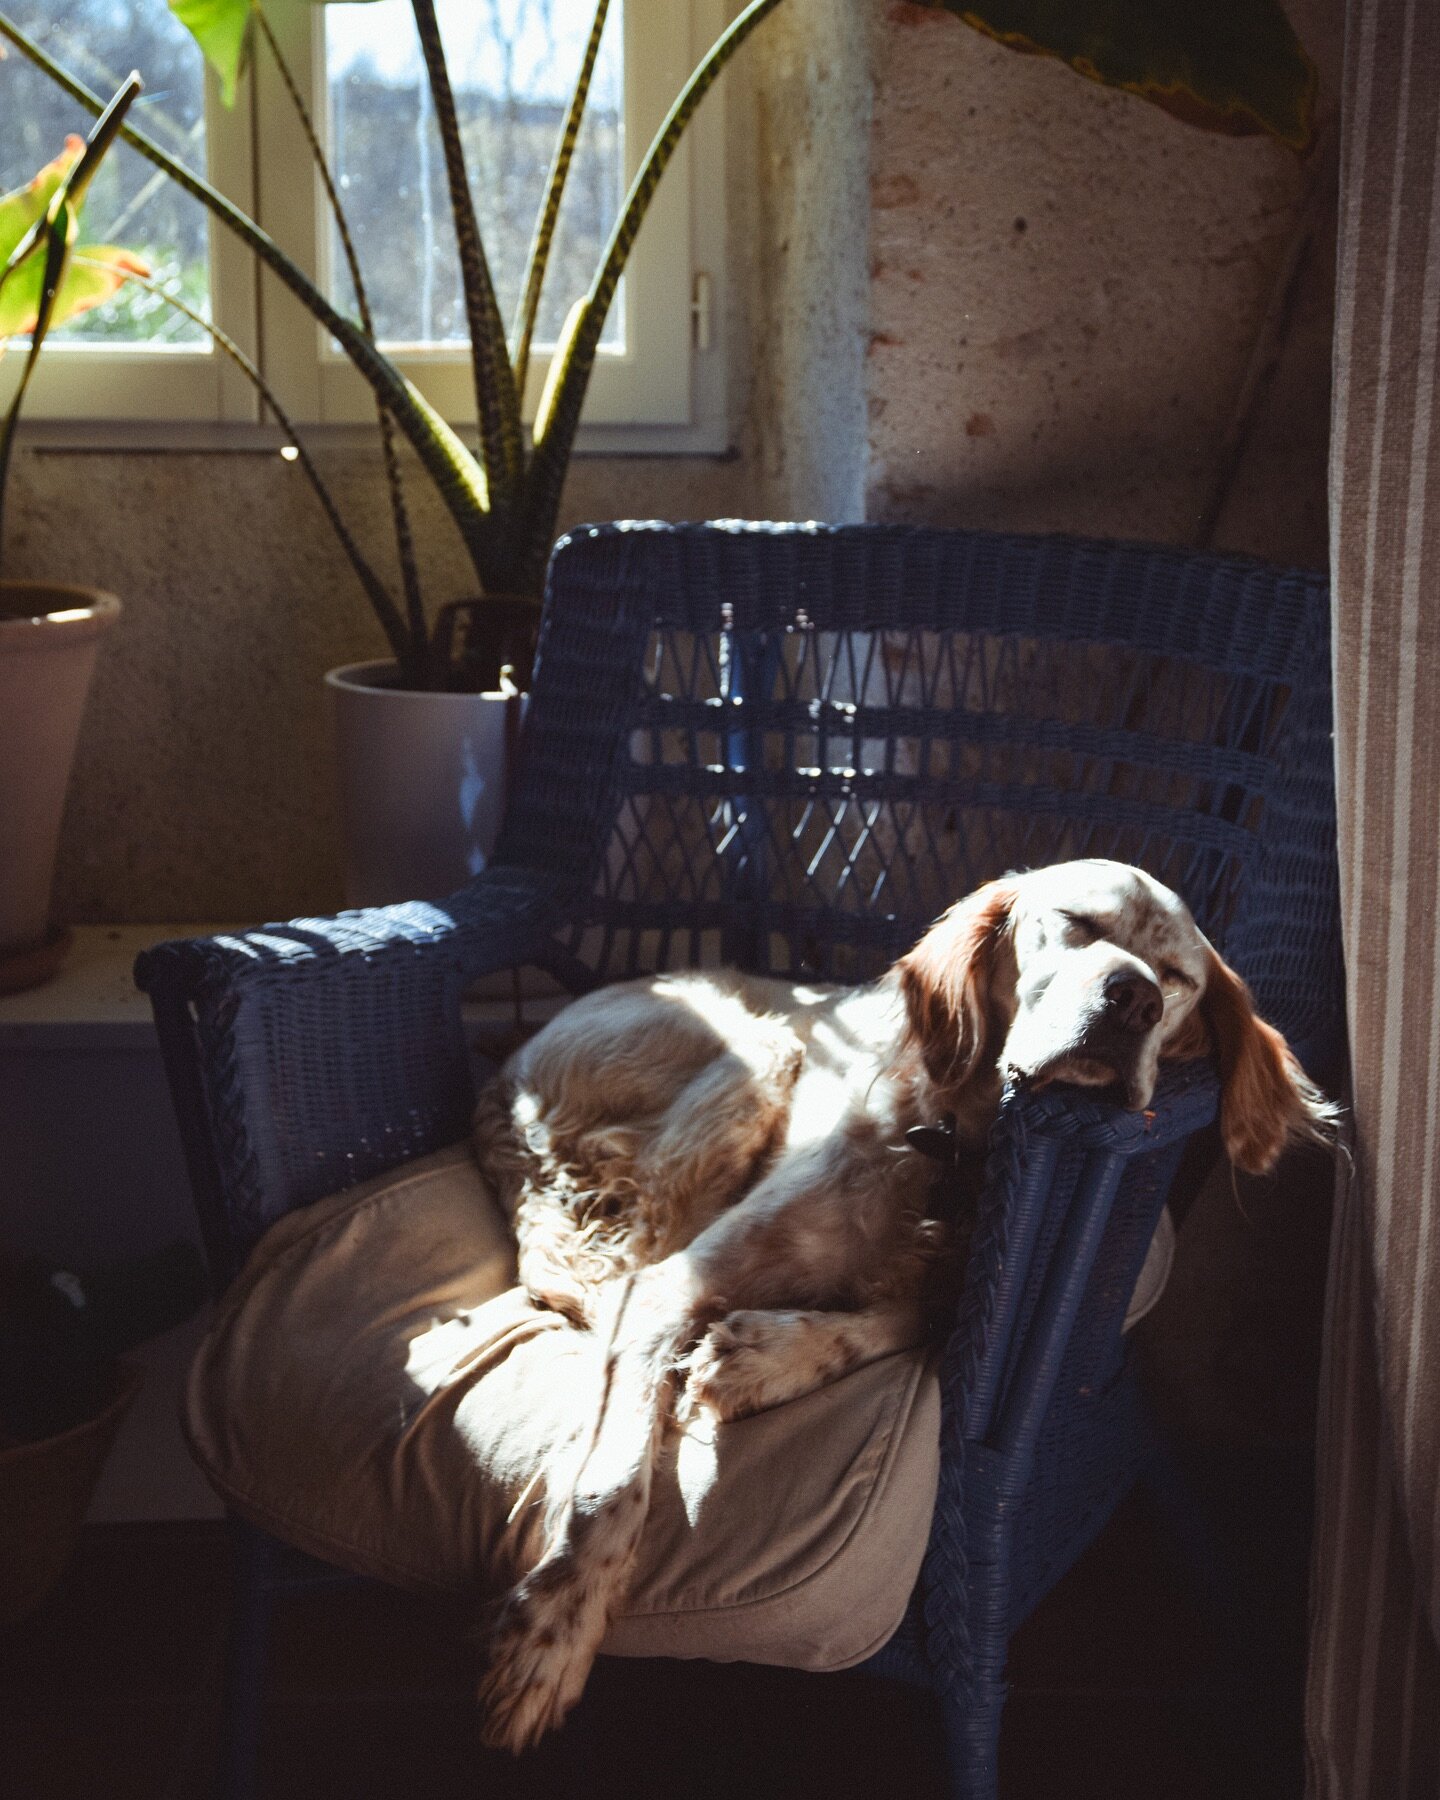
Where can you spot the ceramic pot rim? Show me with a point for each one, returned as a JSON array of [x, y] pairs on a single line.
[[367, 678], [127, 1376], [63, 615]]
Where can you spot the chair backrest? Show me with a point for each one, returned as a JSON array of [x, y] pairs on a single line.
[[792, 746]]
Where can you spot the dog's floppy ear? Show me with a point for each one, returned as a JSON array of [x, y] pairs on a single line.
[[1266, 1098], [946, 983]]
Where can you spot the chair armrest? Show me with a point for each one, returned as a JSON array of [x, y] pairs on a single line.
[[305, 1057], [1059, 1164], [1063, 1168]]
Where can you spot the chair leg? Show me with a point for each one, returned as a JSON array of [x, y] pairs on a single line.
[[239, 1764], [972, 1741]]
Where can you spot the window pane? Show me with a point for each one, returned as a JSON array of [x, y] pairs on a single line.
[[130, 203], [512, 64]]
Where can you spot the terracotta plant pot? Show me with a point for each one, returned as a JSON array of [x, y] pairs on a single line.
[[48, 638], [45, 1489], [423, 778]]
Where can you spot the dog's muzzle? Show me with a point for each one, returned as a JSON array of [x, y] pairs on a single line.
[[1111, 1044]]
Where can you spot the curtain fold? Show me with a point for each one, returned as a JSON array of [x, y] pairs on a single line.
[[1373, 1702]]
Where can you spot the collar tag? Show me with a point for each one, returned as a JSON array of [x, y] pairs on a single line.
[[935, 1141]]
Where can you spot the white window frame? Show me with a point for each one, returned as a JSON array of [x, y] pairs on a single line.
[[664, 392], [76, 379]]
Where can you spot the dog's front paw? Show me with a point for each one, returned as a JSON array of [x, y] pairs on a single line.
[[728, 1372], [787, 1052]]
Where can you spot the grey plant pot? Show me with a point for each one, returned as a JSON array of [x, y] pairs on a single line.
[[49, 635], [422, 783]]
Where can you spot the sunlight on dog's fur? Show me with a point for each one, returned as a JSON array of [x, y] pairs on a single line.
[[711, 1170]]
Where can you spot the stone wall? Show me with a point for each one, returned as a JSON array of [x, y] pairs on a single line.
[[1067, 288]]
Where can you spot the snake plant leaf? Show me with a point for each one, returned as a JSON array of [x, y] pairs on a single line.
[[544, 236], [1232, 66], [559, 361], [82, 286]]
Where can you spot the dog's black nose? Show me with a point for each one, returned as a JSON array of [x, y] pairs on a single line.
[[1134, 1000]]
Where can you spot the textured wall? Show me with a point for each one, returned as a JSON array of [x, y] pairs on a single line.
[[1067, 284], [203, 787], [807, 168]]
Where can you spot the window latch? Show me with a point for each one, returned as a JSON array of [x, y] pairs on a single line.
[[700, 310]]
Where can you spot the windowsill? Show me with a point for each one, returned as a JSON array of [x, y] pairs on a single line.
[[92, 1003], [178, 437]]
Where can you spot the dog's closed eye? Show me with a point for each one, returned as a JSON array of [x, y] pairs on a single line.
[[1086, 922]]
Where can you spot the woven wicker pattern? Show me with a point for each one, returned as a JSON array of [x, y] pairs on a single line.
[[830, 734], [308, 1056], [790, 747]]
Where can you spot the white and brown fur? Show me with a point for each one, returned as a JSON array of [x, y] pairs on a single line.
[[711, 1170]]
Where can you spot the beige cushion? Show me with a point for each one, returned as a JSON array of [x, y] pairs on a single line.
[[375, 1390], [1155, 1271]]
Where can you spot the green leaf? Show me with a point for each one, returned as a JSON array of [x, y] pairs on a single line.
[[1233, 66], [22, 214], [559, 362], [104, 272], [25, 208], [222, 30]]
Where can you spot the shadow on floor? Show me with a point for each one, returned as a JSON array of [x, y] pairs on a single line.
[[1122, 1686]]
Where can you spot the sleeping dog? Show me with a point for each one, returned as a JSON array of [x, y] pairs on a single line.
[[711, 1169]]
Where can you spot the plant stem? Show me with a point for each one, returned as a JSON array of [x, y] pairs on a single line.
[[575, 358], [497, 408], [410, 658], [459, 479], [54, 231], [54, 240], [399, 512], [539, 256]]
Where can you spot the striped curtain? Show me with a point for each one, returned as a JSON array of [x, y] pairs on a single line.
[[1374, 1678]]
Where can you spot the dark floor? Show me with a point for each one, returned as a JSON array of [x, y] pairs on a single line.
[[1122, 1686]]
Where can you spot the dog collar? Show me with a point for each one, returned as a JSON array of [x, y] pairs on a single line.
[[938, 1144]]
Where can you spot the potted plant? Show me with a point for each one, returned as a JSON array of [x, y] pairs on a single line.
[[49, 633], [66, 1383], [1234, 66]]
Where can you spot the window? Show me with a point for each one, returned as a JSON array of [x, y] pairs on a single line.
[[512, 68], [359, 67], [100, 42], [135, 357]]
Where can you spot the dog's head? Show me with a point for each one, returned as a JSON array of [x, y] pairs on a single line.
[[1091, 972]]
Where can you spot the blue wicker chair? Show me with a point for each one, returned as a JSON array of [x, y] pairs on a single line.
[[789, 747]]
